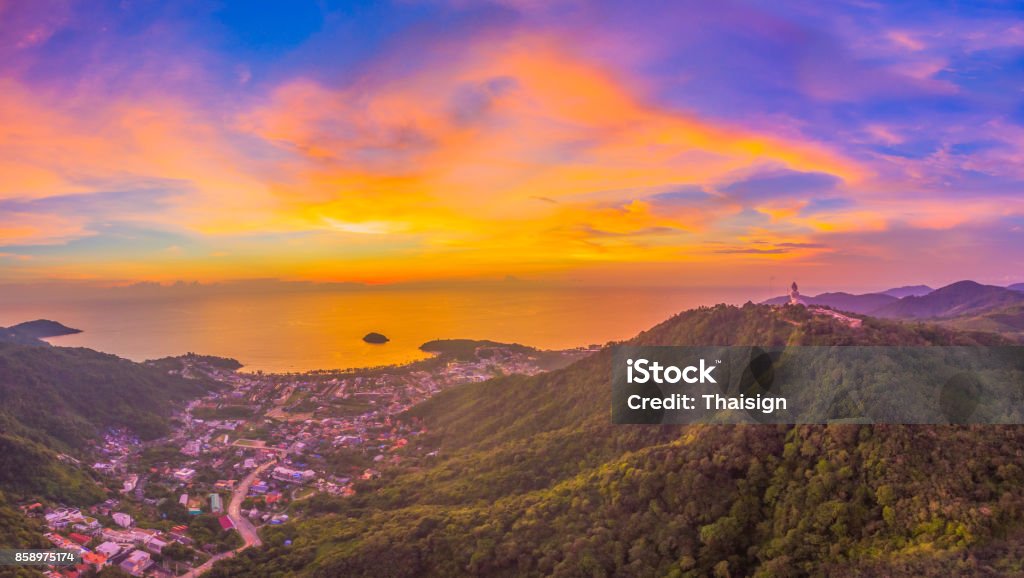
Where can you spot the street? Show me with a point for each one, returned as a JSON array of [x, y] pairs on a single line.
[[242, 524]]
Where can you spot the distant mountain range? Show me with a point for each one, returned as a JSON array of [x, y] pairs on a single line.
[[960, 299], [908, 291]]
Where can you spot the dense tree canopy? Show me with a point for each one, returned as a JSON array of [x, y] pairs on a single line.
[[533, 479]]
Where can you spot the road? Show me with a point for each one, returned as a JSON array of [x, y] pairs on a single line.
[[242, 523], [245, 528]]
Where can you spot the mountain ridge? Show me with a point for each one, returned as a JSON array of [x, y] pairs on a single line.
[[532, 479], [33, 332], [56, 400], [962, 298], [953, 300], [908, 290]]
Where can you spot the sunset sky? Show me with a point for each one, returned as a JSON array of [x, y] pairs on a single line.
[[842, 143]]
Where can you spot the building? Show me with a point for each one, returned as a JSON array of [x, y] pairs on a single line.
[[180, 535], [284, 474], [183, 500], [62, 517], [156, 545], [96, 560], [118, 536], [184, 475], [216, 505], [130, 482], [136, 563], [108, 549], [86, 524], [226, 523], [143, 535], [192, 448], [122, 519]]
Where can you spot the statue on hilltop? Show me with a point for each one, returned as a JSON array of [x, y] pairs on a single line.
[[794, 295]]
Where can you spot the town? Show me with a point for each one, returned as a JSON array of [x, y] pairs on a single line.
[[246, 454]]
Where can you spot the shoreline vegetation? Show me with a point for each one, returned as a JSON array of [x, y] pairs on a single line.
[[440, 350]]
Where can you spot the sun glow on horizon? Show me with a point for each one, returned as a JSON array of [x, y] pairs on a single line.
[[550, 146]]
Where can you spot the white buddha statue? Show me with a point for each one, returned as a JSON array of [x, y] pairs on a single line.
[[794, 295]]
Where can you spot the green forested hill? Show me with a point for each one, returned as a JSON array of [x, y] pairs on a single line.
[[17, 531], [1006, 321], [533, 479], [57, 400], [69, 394]]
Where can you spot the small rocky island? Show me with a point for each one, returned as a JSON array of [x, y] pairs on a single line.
[[375, 338]]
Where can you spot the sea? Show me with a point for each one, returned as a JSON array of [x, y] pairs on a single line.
[[284, 331]]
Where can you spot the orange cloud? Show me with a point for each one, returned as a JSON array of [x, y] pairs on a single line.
[[437, 172], [460, 151]]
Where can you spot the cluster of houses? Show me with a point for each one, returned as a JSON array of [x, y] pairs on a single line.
[[115, 454], [296, 444], [128, 547], [373, 432]]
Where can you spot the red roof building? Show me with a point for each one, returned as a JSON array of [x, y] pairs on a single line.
[[226, 523], [97, 560], [80, 538]]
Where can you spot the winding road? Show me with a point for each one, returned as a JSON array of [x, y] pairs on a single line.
[[245, 527]]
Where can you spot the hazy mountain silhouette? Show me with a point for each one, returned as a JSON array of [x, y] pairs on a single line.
[[960, 298], [908, 291]]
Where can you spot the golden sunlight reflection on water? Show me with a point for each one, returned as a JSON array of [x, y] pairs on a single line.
[[323, 330]]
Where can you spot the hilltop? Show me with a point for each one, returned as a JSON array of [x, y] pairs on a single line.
[[843, 301], [42, 328], [908, 291], [1004, 320], [33, 332], [920, 302], [59, 400], [532, 479], [958, 299]]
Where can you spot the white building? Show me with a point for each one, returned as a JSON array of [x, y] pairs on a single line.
[[185, 475], [156, 545], [122, 519], [284, 474], [136, 563], [108, 549], [130, 482]]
